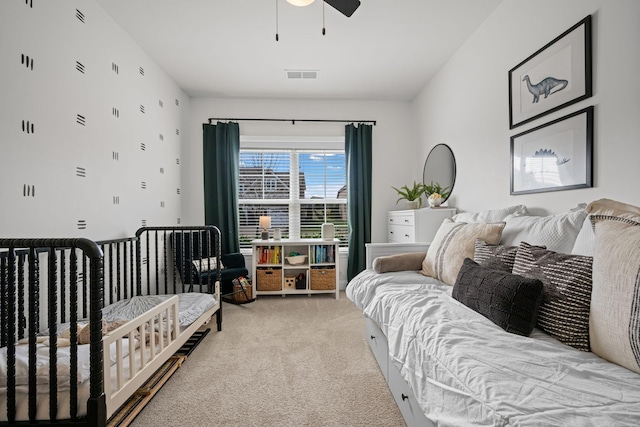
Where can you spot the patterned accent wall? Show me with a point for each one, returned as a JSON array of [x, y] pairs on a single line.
[[89, 126]]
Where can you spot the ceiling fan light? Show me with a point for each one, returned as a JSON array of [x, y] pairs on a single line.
[[300, 2]]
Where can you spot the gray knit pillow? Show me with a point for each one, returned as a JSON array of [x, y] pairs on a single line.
[[564, 313], [508, 300]]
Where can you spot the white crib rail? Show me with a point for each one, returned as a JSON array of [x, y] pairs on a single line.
[[131, 371]]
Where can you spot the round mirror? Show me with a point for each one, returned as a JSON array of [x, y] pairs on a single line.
[[440, 168]]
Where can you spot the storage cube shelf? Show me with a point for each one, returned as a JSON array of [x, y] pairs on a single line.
[[275, 275]]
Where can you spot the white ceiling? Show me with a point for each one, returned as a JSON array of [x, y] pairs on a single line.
[[387, 50]]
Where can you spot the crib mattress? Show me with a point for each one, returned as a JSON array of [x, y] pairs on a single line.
[[192, 306], [465, 370]]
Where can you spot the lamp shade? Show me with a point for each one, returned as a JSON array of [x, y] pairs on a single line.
[[265, 222], [300, 2]]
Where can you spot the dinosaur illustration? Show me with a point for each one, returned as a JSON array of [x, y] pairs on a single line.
[[544, 87], [544, 152]]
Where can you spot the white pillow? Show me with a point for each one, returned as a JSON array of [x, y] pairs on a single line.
[[495, 215], [585, 240], [555, 232], [208, 264]]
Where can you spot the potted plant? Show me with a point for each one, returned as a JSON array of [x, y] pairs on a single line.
[[412, 195], [436, 194]]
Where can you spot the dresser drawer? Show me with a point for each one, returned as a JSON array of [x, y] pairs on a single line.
[[418, 225], [406, 400], [401, 234], [401, 218], [378, 343]]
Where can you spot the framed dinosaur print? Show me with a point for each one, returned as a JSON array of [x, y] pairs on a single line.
[[552, 78], [554, 156]]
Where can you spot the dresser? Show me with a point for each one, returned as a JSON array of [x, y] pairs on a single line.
[[416, 225]]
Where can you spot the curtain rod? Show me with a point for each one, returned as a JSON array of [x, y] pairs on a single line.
[[293, 121]]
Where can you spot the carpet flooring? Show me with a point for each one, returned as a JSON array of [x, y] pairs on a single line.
[[293, 361]]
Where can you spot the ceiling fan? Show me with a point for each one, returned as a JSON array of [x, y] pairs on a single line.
[[346, 7]]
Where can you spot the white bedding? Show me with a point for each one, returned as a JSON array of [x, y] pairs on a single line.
[[465, 370]]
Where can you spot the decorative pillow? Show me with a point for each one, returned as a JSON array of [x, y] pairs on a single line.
[[600, 210], [399, 262], [208, 264], [564, 313], [453, 242], [585, 239], [495, 215], [614, 208], [498, 257], [615, 303], [556, 232], [508, 300]]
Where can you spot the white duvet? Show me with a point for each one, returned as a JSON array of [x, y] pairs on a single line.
[[466, 371]]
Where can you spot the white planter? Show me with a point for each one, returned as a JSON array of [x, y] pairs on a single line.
[[434, 203], [413, 204]]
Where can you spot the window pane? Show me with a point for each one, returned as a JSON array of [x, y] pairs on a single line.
[[264, 175], [324, 174]]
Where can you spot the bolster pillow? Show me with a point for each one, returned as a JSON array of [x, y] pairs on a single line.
[[399, 262]]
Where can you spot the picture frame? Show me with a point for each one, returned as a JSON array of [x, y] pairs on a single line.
[[554, 156], [557, 75]]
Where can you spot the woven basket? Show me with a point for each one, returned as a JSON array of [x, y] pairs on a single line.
[[322, 279], [238, 295], [269, 279]]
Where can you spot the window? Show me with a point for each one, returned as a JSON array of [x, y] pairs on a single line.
[[300, 189]]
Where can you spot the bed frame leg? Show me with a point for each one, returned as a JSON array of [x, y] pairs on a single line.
[[219, 318], [97, 411]]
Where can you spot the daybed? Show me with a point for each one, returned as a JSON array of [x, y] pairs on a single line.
[[511, 319], [80, 335]]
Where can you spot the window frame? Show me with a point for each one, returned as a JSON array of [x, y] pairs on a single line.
[[301, 143]]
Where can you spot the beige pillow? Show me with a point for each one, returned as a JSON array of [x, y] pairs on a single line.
[[614, 318], [453, 242], [400, 262], [614, 208]]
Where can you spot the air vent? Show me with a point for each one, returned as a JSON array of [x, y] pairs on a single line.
[[301, 74]]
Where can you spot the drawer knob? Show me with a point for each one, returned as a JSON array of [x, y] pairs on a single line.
[[407, 221], [373, 337], [404, 396], [406, 235]]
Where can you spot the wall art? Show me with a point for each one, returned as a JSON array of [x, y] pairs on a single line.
[[555, 76], [554, 156]]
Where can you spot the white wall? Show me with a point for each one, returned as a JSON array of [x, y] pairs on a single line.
[[466, 104], [109, 198]]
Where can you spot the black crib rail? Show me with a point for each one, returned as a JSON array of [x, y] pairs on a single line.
[[21, 312]]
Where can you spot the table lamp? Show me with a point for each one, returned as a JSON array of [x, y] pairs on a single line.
[[265, 223]]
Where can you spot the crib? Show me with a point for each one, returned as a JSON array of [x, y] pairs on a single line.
[[53, 293]]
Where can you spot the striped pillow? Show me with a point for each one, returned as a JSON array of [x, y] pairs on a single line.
[[615, 305], [498, 257], [453, 242], [564, 313]]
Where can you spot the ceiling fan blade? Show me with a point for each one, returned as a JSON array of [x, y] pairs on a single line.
[[346, 7]]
